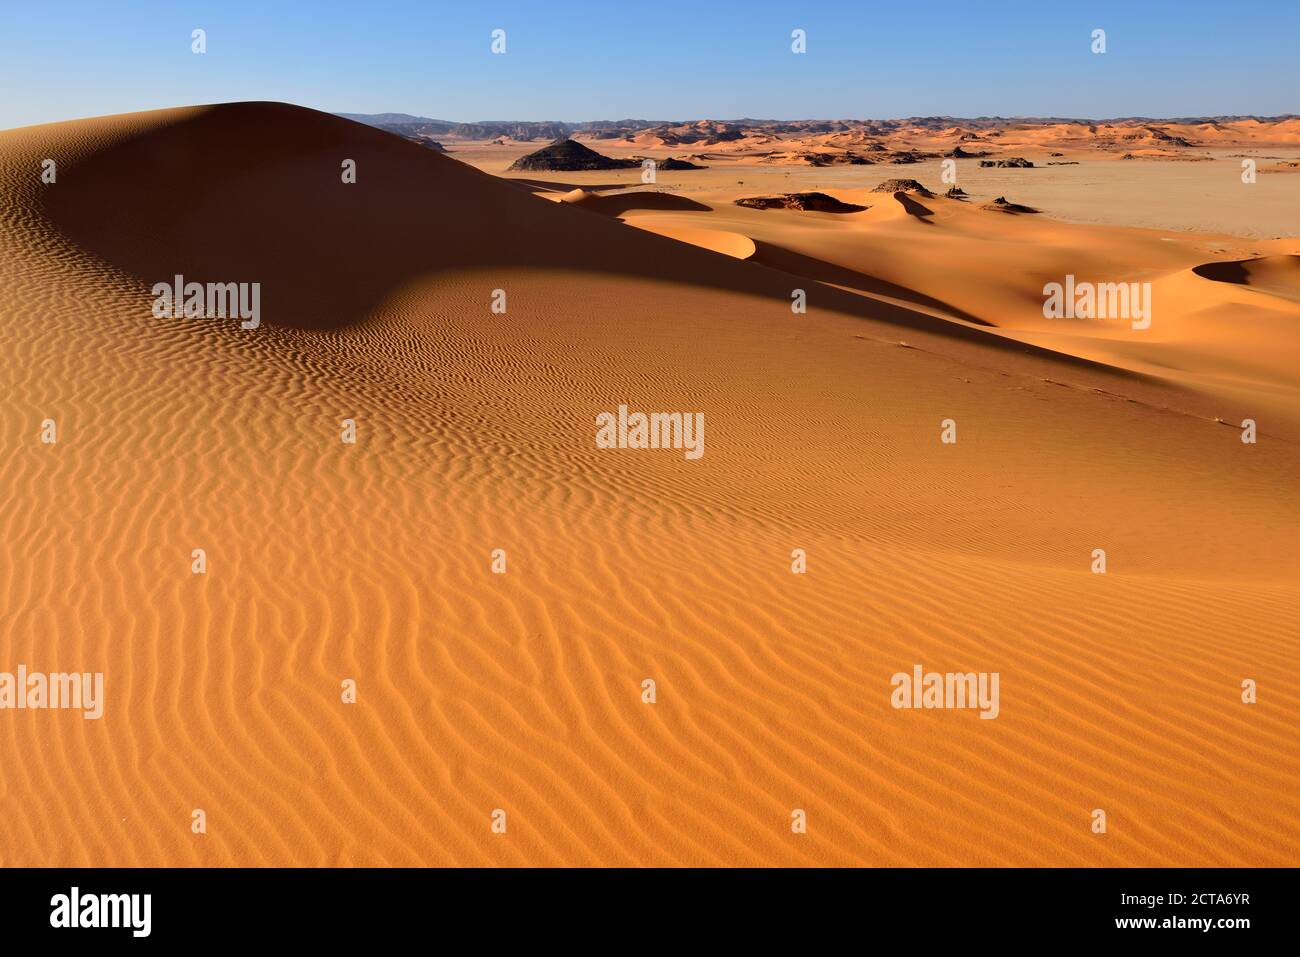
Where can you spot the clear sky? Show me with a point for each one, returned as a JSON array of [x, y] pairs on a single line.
[[655, 59]]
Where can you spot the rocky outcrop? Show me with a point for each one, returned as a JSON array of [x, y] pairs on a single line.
[[567, 156], [807, 202], [1003, 205], [902, 186], [672, 163]]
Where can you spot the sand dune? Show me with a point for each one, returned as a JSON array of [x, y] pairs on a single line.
[[523, 691], [980, 266], [1277, 275]]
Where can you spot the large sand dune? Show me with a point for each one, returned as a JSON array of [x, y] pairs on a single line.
[[522, 691]]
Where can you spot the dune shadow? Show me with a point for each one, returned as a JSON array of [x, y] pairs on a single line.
[[621, 203], [1231, 272], [778, 257], [549, 186], [1001, 205], [1277, 275], [913, 208], [253, 192]]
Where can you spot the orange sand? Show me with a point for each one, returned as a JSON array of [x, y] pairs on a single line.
[[522, 691]]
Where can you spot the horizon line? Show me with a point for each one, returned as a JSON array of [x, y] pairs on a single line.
[[1207, 118]]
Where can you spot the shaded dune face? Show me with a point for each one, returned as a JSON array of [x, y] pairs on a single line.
[[253, 193], [622, 203], [828, 272], [1276, 275]]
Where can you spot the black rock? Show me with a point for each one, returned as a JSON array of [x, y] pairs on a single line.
[[902, 186], [808, 202], [568, 156]]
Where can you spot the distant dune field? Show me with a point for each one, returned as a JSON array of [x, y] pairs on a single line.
[[523, 692], [1185, 176]]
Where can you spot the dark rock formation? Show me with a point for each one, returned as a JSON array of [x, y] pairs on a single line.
[[567, 156], [1003, 205], [847, 158], [902, 186], [808, 202], [672, 163]]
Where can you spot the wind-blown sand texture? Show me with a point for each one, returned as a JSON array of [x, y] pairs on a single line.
[[522, 691]]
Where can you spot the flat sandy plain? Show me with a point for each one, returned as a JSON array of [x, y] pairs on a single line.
[[523, 691]]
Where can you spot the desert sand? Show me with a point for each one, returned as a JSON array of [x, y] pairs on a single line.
[[523, 691], [1181, 176]]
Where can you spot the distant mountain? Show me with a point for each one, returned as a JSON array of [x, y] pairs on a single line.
[[412, 127], [405, 124], [710, 133], [392, 119], [810, 125]]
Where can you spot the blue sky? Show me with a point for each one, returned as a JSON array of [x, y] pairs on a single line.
[[657, 59]]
